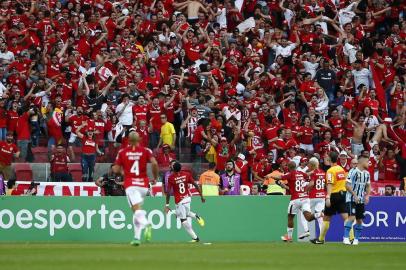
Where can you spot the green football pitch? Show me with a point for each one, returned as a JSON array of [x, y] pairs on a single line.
[[247, 256]]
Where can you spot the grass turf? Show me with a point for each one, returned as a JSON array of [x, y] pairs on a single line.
[[235, 256]]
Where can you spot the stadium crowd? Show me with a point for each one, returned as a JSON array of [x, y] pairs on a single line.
[[254, 82]]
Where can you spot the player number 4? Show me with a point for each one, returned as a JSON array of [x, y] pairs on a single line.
[[135, 168]]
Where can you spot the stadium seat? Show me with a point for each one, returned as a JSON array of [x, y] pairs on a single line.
[[40, 154], [76, 171], [23, 171]]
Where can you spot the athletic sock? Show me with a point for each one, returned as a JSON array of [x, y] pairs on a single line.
[[192, 215], [189, 229], [304, 222], [324, 229], [357, 231], [320, 222], [352, 233], [140, 221], [347, 229], [290, 232]]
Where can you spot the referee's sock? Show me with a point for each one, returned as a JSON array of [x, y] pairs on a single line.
[[347, 229], [357, 231], [324, 229]]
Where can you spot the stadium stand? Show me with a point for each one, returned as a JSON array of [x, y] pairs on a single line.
[[267, 81]]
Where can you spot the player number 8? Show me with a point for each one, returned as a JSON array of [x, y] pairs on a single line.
[[182, 188]]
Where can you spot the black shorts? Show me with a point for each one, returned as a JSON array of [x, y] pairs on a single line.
[[356, 209], [337, 206]]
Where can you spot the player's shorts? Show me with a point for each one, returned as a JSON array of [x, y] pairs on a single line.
[[299, 205], [317, 204], [338, 204], [136, 195], [356, 209], [183, 208]]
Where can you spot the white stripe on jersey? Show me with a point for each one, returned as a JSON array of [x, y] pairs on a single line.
[[358, 180], [191, 126]]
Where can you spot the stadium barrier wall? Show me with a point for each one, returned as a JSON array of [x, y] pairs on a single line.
[[108, 219], [232, 218], [385, 221]]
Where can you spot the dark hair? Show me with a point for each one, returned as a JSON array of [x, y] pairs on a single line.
[[333, 157], [11, 183], [212, 165], [392, 187], [176, 167]]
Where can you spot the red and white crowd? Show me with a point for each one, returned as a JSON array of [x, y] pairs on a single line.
[[257, 82]]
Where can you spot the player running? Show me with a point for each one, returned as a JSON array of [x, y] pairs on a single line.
[[358, 189], [179, 182], [132, 162], [335, 197], [317, 194], [298, 186]]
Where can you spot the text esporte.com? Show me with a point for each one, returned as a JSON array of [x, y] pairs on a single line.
[[58, 219]]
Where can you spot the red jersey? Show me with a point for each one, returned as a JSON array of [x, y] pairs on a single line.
[[88, 145], [59, 163], [197, 136], [7, 150], [179, 183], [307, 135], [12, 118], [319, 188], [391, 169], [297, 182], [140, 112], [134, 160]]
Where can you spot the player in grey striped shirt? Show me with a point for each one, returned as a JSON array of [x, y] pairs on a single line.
[[358, 189]]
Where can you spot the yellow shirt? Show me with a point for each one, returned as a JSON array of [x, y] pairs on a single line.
[[210, 181], [167, 131], [336, 176]]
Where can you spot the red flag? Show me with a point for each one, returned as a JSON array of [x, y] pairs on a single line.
[[380, 92]]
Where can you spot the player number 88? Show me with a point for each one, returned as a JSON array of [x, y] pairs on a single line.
[[319, 184], [300, 185]]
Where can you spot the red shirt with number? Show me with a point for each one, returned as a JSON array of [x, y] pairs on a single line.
[[134, 160], [297, 182], [179, 183], [319, 188]]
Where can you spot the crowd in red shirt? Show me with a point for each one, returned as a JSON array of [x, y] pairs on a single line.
[[273, 80]]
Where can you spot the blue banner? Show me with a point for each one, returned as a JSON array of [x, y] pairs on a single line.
[[385, 221]]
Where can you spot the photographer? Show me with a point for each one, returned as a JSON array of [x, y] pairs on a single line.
[[111, 183], [32, 189]]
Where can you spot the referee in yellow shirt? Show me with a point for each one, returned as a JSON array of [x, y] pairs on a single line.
[[335, 197]]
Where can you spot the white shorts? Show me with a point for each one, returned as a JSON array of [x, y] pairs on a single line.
[[183, 208], [307, 147], [136, 195], [299, 205], [317, 205]]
